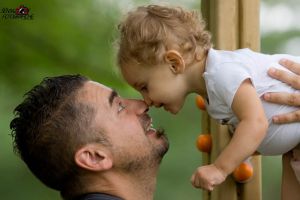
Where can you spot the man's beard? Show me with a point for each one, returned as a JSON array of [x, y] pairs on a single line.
[[157, 151], [152, 158], [144, 162], [163, 149]]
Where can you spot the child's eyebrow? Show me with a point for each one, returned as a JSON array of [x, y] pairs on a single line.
[[112, 96], [136, 83]]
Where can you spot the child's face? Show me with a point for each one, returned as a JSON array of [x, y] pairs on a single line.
[[159, 86]]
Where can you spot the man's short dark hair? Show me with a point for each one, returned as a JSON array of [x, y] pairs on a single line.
[[50, 125]]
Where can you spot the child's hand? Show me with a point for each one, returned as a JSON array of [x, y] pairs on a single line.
[[207, 177]]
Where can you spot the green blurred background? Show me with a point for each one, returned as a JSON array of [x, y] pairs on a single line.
[[72, 37]]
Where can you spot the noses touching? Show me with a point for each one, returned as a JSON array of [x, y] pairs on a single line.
[[138, 107], [147, 101], [150, 103]]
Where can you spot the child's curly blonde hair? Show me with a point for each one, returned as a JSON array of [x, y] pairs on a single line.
[[147, 32]]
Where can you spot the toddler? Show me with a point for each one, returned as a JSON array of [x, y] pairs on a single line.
[[165, 53]]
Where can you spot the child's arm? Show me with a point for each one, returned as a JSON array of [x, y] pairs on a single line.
[[247, 137], [250, 132]]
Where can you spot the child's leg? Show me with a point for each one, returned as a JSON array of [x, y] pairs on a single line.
[[290, 187]]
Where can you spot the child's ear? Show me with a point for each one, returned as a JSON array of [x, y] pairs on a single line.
[[175, 60], [93, 157]]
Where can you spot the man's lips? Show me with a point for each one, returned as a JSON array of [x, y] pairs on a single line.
[[151, 130], [149, 123], [148, 129]]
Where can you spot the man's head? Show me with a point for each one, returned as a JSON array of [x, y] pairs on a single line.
[[70, 129]]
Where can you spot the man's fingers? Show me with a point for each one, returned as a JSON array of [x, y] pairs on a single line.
[[288, 99], [287, 77], [287, 118], [292, 99], [285, 98], [293, 66]]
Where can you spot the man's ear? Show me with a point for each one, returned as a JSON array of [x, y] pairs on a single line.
[[93, 157], [175, 60]]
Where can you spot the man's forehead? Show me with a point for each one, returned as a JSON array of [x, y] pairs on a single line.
[[97, 86], [97, 95], [99, 92]]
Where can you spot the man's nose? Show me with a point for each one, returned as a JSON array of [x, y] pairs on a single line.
[[139, 107]]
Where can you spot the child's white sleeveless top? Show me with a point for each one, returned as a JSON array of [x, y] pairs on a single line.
[[224, 73]]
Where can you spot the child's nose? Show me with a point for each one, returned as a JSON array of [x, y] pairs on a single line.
[[147, 100]]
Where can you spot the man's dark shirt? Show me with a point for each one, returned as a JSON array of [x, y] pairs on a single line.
[[97, 196]]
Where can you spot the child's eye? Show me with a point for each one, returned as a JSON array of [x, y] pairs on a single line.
[[144, 88], [120, 107]]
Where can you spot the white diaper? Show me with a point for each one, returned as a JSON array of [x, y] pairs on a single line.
[[295, 163]]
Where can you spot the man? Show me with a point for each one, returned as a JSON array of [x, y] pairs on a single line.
[[80, 138]]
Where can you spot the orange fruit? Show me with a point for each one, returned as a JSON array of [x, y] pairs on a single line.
[[204, 143], [243, 173], [200, 103]]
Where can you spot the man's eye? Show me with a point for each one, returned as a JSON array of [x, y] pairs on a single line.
[[120, 107]]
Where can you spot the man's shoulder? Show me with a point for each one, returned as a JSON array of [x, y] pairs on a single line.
[[97, 196]]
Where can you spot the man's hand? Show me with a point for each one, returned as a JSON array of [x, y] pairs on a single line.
[[207, 177], [286, 98]]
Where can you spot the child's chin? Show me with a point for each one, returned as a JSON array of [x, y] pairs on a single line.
[[174, 112]]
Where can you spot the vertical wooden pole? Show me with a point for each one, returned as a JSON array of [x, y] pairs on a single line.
[[234, 24], [249, 24], [249, 35], [205, 117], [220, 138], [205, 156]]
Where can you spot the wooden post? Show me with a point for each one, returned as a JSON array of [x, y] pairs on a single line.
[[205, 156], [234, 24]]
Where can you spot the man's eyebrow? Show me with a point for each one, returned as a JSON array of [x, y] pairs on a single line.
[[112, 96]]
